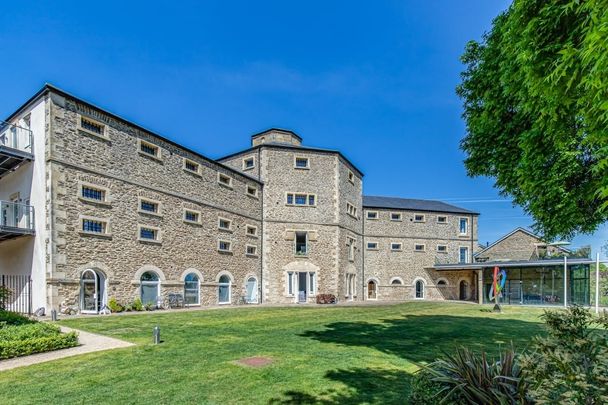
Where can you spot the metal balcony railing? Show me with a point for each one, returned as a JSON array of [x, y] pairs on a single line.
[[15, 137], [16, 218]]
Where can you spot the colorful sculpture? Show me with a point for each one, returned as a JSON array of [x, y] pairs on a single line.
[[498, 284]]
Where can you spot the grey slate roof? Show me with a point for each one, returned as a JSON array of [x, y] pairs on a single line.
[[412, 205]]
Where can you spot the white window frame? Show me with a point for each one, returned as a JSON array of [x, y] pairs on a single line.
[[290, 283], [295, 160], [397, 248], [220, 180], [198, 213], [251, 235], [373, 243], [442, 251], [156, 155], [423, 288], [467, 258], [255, 250], [442, 216], [192, 162], [219, 249], [399, 216], [104, 135], [245, 159], [221, 228], [229, 290], [466, 231], [249, 187], [295, 244], [420, 250], [420, 220], [107, 232], [158, 238], [157, 213], [372, 212], [106, 193]]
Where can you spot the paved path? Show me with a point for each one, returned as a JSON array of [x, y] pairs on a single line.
[[89, 342]]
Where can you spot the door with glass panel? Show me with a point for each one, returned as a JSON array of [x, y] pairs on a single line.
[[91, 292], [251, 291]]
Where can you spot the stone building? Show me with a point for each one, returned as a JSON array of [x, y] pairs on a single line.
[[95, 207]]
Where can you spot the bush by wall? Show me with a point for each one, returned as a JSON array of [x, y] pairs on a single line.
[[11, 318]]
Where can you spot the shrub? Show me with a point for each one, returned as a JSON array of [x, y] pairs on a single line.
[[425, 391], [13, 318], [5, 293], [137, 305], [115, 306], [149, 306], [35, 337], [470, 378], [570, 364]]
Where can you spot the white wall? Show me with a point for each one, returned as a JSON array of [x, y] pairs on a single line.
[[26, 255]]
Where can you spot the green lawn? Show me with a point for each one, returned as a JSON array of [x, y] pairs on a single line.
[[321, 354]]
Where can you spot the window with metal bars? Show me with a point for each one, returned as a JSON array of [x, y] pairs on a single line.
[[147, 233], [91, 126], [93, 193], [93, 226]]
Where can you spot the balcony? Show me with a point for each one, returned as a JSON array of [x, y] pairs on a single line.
[[15, 220], [15, 147]]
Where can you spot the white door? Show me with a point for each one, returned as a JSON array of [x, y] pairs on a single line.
[[252, 290]]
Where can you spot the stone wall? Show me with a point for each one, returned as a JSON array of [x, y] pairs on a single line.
[[520, 245], [115, 165]]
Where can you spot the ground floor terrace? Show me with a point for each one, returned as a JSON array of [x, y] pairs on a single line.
[[365, 353]]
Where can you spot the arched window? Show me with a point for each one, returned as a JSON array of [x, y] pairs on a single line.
[[150, 288], [224, 290], [252, 290], [442, 283], [419, 289], [191, 289], [92, 292], [372, 292], [396, 282]]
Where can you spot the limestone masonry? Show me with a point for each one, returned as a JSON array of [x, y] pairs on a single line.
[[107, 209]]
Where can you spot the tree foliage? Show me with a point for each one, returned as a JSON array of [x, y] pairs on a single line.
[[535, 95]]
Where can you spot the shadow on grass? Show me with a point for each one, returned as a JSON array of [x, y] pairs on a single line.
[[423, 338], [416, 338], [365, 385]]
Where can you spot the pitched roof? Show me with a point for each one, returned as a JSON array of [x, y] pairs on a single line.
[[519, 229], [413, 205]]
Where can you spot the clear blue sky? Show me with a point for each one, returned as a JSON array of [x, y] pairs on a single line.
[[373, 79]]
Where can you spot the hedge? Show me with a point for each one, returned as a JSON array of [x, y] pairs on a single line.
[[12, 318], [22, 338]]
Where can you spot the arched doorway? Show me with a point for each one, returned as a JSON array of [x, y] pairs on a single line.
[[419, 289], [150, 288], [192, 289], [464, 290], [372, 290], [92, 292], [251, 295], [224, 289]]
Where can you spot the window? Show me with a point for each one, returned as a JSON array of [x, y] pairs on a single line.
[[419, 247], [248, 163], [301, 163], [351, 248], [419, 289], [396, 281], [442, 283], [351, 210], [191, 166], [252, 191], [289, 281], [312, 283], [148, 149], [351, 177], [464, 226], [301, 199], [149, 206], [148, 234], [224, 290], [149, 288], [442, 219], [224, 246], [395, 246], [224, 224], [395, 216], [192, 216], [92, 193], [372, 214], [442, 249], [301, 243], [92, 127], [419, 218], [94, 226], [191, 289], [372, 245], [224, 180], [372, 292], [251, 230], [251, 250], [463, 256]]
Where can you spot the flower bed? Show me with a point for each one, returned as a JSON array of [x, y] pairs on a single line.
[[20, 336]]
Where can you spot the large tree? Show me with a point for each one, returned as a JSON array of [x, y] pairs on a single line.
[[535, 94]]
